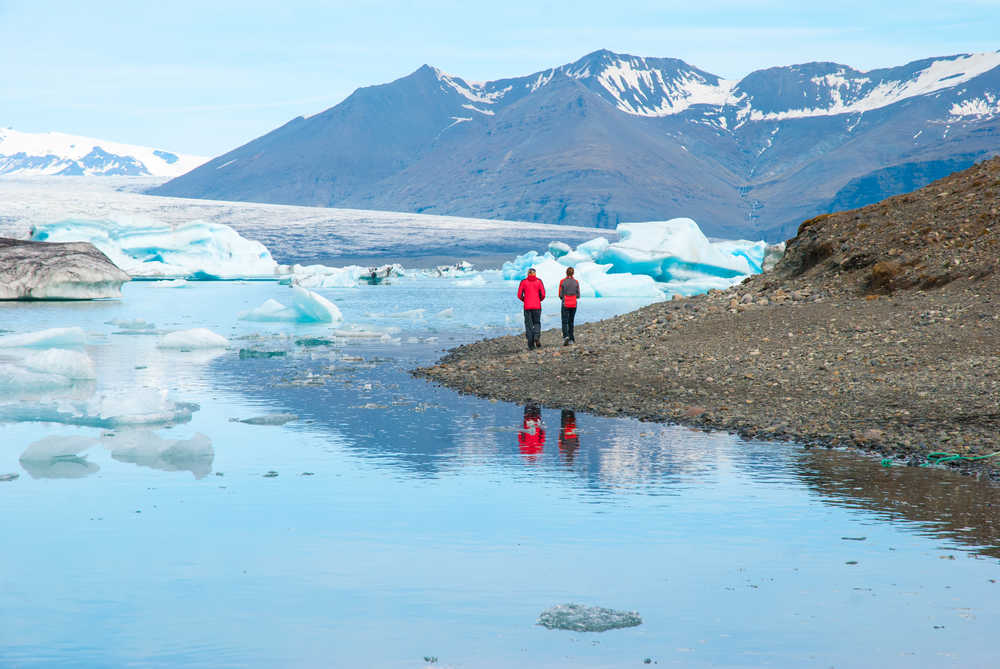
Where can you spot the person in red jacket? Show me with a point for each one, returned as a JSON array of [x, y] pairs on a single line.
[[531, 291], [569, 292]]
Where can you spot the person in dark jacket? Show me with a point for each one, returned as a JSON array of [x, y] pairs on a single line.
[[569, 292], [531, 291]]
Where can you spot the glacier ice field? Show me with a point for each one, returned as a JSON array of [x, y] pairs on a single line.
[[243, 473]]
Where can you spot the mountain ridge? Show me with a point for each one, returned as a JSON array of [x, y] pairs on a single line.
[[61, 154], [615, 137]]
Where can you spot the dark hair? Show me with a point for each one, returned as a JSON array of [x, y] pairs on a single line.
[[569, 271]]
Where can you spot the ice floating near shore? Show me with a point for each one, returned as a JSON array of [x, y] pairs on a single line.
[[193, 339], [663, 256], [306, 307], [146, 248], [580, 618], [139, 407]]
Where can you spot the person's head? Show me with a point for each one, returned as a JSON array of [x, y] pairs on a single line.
[[531, 272], [569, 271]]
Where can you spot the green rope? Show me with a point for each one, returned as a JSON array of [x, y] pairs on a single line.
[[939, 457]]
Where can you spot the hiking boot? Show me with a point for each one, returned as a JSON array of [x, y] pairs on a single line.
[[538, 343], [566, 341]]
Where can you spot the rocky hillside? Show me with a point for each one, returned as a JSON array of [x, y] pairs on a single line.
[[921, 240]]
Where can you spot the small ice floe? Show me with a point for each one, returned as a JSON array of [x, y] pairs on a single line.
[[24, 371], [580, 618], [474, 282], [305, 307], [193, 339], [9, 477], [73, 337], [446, 313], [268, 419], [136, 324]]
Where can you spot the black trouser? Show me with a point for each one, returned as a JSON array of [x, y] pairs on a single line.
[[532, 325], [568, 314]]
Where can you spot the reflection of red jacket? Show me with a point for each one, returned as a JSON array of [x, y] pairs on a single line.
[[531, 291], [531, 439]]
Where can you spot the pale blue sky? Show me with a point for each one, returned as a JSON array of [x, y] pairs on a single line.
[[204, 77]]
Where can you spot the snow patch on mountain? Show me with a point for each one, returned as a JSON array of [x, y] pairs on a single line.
[[983, 107], [861, 94], [56, 153]]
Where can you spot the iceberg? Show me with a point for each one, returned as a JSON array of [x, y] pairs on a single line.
[[306, 307], [676, 249], [193, 339], [146, 248], [33, 271], [649, 258]]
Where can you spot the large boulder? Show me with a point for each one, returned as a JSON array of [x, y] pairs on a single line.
[[52, 271]]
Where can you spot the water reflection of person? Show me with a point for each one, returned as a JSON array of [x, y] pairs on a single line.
[[531, 439], [569, 438]]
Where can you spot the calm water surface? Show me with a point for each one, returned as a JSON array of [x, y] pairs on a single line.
[[394, 521]]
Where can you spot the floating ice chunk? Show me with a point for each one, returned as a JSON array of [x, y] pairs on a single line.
[[193, 339], [594, 248], [558, 249], [270, 419], [411, 314], [446, 313], [147, 449], [321, 276], [137, 324], [70, 364], [580, 618], [270, 311], [149, 248], [51, 338], [306, 307], [474, 282], [138, 407], [314, 307]]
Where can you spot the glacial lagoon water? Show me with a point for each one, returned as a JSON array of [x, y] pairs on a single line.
[[394, 523]]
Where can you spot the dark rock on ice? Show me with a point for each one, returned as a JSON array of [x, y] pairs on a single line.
[[53, 271]]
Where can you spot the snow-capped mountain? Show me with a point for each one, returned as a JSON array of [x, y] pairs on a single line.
[[56, 153], [613, 137]]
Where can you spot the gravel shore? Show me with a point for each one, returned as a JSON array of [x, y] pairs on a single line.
[[878, 330]]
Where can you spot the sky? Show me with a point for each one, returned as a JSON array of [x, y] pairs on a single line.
[[206, 77]]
